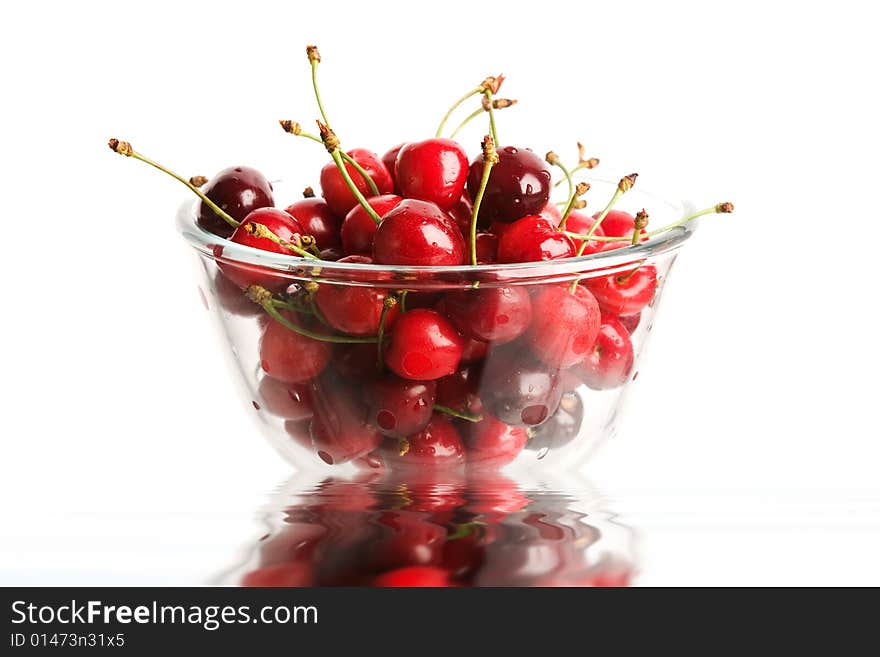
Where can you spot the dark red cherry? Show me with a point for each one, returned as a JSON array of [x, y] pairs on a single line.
[[390, 160], [358, 228], [519, 185], [412, 576], [624, 293], [424, 346], [286, 400], [487, 248], [618, 223], [418, 233], [439, 444], [474, 350], [317, 220], [462, 212], [337, 193], [354, 309], [518, 389], [610, 361], [491, 442], [533, 239], [400, 407], [496, 315], [280, 223], [580, 222], [238, 191], [631, 322], [340, 431], [289, 357], [233, 299], [565, 325], [459, 389], [432, 170], [562, 427]]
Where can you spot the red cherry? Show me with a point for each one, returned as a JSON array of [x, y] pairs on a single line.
[[618, 223], [355, 361], [358, 228], [519, 185], [280, 223], [487, 248], [437, 445], [354, 309], [518, 390], [496, 315], [287, 356], [630, 322], [424, 346], [286, 400], [400, 407], [337, 193], [390, 160], [238, 191], [412, 576], [432, 170], [551, 213], [418, 233], [462, 212], [280, 575], [624, 293], [317, 220], [339, 428], [610, 361], [491, 442], [474, 350], [565, 325], [459, 389], [579, 222], [533, 239], [233, 299]]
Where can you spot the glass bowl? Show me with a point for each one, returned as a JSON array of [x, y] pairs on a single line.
[[529, 389]]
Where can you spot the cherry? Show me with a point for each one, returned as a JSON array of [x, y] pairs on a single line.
[[400, 407], [519, 185], [487, 248], [631, 322], [412, 576], [611, 359], [616, 223], [418, 233], [339, 197], [424, 346], [491, 442], [233, 299], [277, 221], [474, 350], [624, 293], [238, 191], [390, 160], [439, 444], [286, 400], [409, 538], [459, 389], [565, 325], [432, 170], [552, 214], [518, 390], [354, 309], [280, 575], [339, 428], [496, 315], [317, 220], [580, 222], [355, 361], [533, 239], [562, 427], [358, 228], [289, 357], [462, 212]]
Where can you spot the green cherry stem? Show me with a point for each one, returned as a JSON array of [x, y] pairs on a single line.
[[124, 148], [555, 160], [389, 303], [623, 186], [315, 59], [580, 189], [261, 231], [490, 158], [262, 297], [462, 415], [331, 143], [455, 105], [488, 105], [467, 120]]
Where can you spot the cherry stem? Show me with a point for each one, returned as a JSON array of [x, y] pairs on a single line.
[[623, 279], [556, 161], [389, 303], [489, 108], [467, 120], [345, 156], [455, 105], [337, 157], [721, 208], [263, 297], [124, 148], [462, 415], [623, 186], [262, 231], [290, 305], [314, 60], [490, 157], [402, 295]]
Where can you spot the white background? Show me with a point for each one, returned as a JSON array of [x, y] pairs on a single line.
[[750, 452]]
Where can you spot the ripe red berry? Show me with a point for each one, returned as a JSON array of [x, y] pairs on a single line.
[[400, 407], [359, 229], [390, 160], [439, 444], [286, 400], [618, 223], [287, 356], [496, 315], [418, 233], [517, 389], [519, 185], [624, 293], [610, 361], [340, 431], [432, 170], [317, 220], [353, 309], [238, 191], [491, 442], [339, 197], [564, 325], [580, 222], [533, 239], [424, 346], [631, 322]]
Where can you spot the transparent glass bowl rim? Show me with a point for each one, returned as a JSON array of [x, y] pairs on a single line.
[[207, 243]]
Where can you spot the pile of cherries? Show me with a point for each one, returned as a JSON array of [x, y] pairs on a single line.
[[486, 533], [379, 373]]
